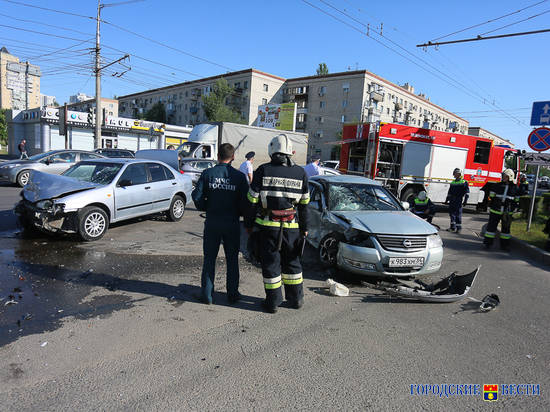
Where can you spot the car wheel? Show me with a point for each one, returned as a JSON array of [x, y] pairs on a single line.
[[23, 177], [177, 209], [328, 250], [92, 223]]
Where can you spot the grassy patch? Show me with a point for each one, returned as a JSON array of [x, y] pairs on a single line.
[[535, 236]]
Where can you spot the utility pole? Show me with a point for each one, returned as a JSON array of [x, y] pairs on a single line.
[[98, 111]]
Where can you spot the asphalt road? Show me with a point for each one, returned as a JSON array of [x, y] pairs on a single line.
[[114, 325]]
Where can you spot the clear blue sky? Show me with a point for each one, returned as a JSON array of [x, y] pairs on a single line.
[[290, 38]]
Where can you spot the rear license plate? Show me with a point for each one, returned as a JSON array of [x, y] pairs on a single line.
[[398, 262]]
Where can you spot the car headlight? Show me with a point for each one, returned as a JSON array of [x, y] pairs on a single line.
[[359, 238], [44, 204], [434, 241]]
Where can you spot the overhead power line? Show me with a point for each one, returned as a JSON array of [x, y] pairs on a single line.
[[48, 9], [516, 22], [490, 21], [478, 38]]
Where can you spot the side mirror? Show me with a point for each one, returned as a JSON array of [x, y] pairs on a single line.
[[125, 182], [406, 205]]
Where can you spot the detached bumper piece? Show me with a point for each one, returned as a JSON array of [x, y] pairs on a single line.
[[46, 220], [449, 289]]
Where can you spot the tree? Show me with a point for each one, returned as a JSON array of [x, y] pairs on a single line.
[[322, 70], [157, 113], [215, 106], [3, 128]]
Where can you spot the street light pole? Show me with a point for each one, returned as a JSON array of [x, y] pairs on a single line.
[[98, 111]]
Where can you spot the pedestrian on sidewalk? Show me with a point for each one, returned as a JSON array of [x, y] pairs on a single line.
[[503, 200], [23, 150], [221, 193], [457, 197]]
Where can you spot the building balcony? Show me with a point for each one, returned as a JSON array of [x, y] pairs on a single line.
[[301, 125], [193, 110], [377, 97]]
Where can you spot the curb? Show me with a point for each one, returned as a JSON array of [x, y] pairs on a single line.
[[533, 252]]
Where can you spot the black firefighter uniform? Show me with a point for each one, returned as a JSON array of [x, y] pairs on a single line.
[[503, 199], [279, 196]]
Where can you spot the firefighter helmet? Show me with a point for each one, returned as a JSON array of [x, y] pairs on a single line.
[[280, 144], [509, 173]]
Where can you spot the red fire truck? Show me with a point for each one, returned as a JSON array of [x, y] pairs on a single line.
[[409, 159]]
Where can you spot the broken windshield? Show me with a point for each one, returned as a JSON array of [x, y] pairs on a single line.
[[350, 196], [101, 173], [186, 149]]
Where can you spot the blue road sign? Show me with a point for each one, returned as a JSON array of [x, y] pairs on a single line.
[[540, 116], [539, 139]]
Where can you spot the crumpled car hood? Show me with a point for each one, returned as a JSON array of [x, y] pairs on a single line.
[[387, 222], [43, 186]]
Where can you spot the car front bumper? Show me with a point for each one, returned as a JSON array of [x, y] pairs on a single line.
[[375, 261], [46, 220], [8, 175]]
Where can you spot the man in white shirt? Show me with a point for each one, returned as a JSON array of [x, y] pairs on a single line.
[[312, 169], [246, 166]]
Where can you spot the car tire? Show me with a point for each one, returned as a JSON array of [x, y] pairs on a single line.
[[177, 209], [23, 177], [328, 250], [92, 223]]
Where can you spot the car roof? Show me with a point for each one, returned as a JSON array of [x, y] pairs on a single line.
[[344, 179], [120, 160]]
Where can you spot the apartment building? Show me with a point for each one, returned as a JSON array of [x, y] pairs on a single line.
[[80, 97], [19, 83], [183, 101], [325, 103], [48, 101], [110, 106], [481, 132]]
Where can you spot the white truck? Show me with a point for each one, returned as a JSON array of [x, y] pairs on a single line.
[[205, 138]]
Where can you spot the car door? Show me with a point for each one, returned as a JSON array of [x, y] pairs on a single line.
[[162, 186], [315, 211], [133, 192], [58, 162]]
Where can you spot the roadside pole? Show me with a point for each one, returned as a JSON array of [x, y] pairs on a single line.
[[97, 128], [532, 208]]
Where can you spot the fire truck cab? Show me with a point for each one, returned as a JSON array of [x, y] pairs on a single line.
[[410, 159]]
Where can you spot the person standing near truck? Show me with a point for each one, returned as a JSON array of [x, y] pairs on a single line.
[[457, 196], [246, 166], [221, 193]]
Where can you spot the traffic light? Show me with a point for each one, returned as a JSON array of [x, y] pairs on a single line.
[[91, 112]]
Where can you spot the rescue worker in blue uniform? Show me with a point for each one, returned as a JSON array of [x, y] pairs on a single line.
[[457, 196], [503, 199], [423, 207], [278, 197], [221, 193]]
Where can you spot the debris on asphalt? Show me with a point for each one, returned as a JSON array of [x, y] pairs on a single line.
[[489, 302], [43, 344], [337, 289], [11, 302]]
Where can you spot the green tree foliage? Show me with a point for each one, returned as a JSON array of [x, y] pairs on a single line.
[[157, 113], [3, 128], [215, 104], [322, 70]]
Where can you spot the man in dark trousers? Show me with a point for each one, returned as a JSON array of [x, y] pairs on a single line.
[[221, 193], [503, 199], [458, 194], [23, 149], [278, 199]]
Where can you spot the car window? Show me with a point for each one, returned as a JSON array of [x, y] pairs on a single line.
[[136, 173], [157, 172], [101, 173], [168, 173], [64, 157], [89, 156]]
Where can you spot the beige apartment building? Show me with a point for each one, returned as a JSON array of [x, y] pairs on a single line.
[[324, 103], [183, 101], [109, 105], [19, 83], [481, 132]]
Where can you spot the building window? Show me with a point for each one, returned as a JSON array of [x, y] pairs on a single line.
[[322, 104], [344, 103], [264, 101], [387, 110], [343, 118], [245, 85], [322, 90], [345, 87], [266, 88], [238, 85]]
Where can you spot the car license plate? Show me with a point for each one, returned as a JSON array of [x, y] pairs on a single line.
[[398, 262]]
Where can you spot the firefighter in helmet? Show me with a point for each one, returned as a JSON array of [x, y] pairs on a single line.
[[457, 196], [423, 207], [503, 199], [278, 198]]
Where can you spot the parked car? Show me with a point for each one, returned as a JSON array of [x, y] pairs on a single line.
[[358, 225], [54, 161], [194, 167], [94, 193], [115, 152], [333, 164], [544, 181], [328, 171]]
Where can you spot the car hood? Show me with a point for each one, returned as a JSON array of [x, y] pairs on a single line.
[[387, 222], [47, 186]]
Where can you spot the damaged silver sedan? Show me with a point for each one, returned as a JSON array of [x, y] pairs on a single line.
[[357, 225], [92, 194]]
